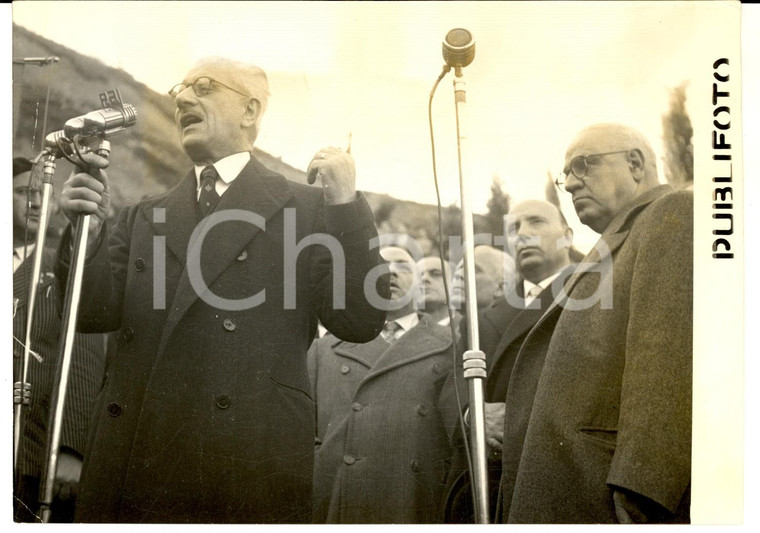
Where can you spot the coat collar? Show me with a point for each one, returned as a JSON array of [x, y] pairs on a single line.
[[256, 191], [613, 237], [422, 341], [521, 320]]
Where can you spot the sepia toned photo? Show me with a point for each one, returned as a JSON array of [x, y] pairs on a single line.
[[377, 263]]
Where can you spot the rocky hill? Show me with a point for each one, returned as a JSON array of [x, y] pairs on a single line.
[[146, 159]]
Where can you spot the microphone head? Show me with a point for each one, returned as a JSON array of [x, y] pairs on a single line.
[[458, 48]]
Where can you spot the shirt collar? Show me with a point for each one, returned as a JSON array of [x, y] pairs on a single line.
[[228, 167], [407, 322], [528, 285], [18, 251]]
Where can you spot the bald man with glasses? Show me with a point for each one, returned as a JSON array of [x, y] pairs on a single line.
[[215, 289], [607, 435]]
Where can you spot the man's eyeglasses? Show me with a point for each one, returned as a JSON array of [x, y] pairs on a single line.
[[579, 167], [201, 87]]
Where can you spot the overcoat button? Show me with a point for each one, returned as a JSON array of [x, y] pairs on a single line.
[[436, 368], [229, 324], [415, 466], [128, 334], [349, 459], [114, 409], [356, 406], [223, 401], [243, 255], [422, 410], [140, 264], [345, 369]]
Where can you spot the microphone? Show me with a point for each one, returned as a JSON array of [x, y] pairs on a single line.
[[103, 121], [458, 48]]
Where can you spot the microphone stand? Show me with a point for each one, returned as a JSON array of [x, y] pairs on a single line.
[[474, 360], [71, 311], [22, 390]]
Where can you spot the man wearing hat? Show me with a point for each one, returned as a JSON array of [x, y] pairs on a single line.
[[215, 288], [86, 371]]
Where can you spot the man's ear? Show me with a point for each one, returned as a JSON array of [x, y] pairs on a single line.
[[636, 162], [252, 110], [569, 237]]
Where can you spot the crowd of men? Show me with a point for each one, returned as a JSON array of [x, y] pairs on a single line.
[[292, 371]]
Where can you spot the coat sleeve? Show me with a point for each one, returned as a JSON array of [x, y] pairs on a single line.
[[348, 310], [104, 277], [653, 449]]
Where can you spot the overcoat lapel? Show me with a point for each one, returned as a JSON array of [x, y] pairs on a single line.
[[180, 216], [23, 275], [20, 292], [520, 323], [418, 343], [255, 191], [366, 353]]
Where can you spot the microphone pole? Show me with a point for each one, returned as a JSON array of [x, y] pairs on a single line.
[[458, 52], [22, 390], [71, 311]]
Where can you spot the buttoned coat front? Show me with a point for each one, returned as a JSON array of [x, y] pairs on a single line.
[[600, 394], [384, 450], [207, 415]]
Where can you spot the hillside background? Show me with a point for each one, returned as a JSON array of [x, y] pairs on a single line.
[[147, 159]]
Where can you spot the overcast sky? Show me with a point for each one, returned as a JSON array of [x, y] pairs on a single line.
[[542, 71]]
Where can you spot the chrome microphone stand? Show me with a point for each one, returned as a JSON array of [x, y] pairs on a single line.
[[70, 314], [459, 51], [22, 390]]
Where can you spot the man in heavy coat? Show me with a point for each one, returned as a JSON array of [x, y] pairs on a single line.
[[216, 289], [540, 238], [382, 449], [598, 430]]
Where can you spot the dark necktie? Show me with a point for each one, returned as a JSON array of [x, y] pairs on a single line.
[[208, 197]]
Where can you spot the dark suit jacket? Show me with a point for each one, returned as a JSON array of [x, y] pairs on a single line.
[[85, 373], [502, 329], [384, 450], [611, 391], [207, 413]]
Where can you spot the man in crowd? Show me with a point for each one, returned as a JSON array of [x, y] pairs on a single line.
[[382, 448], [85, 375], [432, 293], [494, 276], [607, 435], [206, 415], [540, 238]]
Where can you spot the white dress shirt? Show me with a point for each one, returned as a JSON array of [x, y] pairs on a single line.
[[406, 322], [19, 257], [228, 169], [532, 290]]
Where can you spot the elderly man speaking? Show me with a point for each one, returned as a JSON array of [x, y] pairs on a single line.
[[607, 437], [215, 288]]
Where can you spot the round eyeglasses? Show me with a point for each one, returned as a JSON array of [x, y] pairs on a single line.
[[201, 87], [579, 167]]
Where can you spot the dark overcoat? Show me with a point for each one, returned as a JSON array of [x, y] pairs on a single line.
[[207, 415], [502, 328], [85, 373], [612, 405], [384, 450]]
